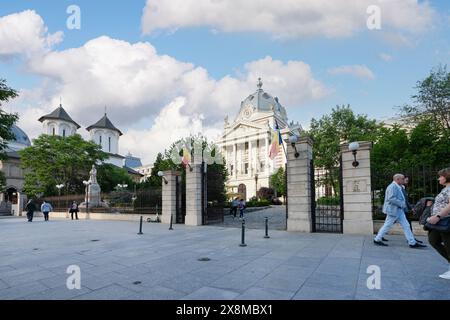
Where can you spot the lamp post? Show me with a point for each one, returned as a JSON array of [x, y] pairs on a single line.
[[87, 184], [256, 184], [293, 140], [353, 147], [59, 187], [161, 174]]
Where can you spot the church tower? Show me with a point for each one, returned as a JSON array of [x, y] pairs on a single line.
[[59, 123], [106, 135]]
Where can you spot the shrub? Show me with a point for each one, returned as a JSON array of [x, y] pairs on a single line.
[[329, 201], [265, 193]]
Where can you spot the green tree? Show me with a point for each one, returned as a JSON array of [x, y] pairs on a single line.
[[432, 100], [278, 182], [342, 125], [53, 160], [6, 119], [160, 164], [109, 176]]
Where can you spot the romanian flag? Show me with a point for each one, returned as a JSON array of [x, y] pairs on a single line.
[[186, 157], [277, 141]]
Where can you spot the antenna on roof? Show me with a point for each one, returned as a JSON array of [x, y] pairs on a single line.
[[60, 101], [105, 110]]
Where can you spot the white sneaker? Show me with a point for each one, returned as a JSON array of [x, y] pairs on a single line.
[[445, 275]]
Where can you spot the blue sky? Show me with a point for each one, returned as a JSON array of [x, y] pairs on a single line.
[[224, 53]]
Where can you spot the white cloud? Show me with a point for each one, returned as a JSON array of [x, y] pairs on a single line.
[[285, 18], [136, 83], [359, 71], [25, 33], [385, 57]]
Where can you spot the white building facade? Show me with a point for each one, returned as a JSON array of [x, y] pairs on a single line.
[[246, 143]]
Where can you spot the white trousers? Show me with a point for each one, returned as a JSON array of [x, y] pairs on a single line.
[[389, 223]]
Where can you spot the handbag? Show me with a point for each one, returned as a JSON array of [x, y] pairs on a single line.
[[443, 225]]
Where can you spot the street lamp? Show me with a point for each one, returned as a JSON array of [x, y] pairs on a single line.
[[87, 184], [353, 147], [161, 174], [293, 140], [59, 187]]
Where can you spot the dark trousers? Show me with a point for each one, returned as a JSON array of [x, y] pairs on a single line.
[[233, 211], [241, 213], [45, 216], [76, 214], [30, 215], [441, 242]]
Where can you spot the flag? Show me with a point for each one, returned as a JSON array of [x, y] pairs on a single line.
[[186, 157], [277, 141]]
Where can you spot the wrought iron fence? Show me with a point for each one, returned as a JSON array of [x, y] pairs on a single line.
[[423, 182], [147, 201]]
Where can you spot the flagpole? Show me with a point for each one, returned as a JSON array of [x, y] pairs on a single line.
[[279, 136]]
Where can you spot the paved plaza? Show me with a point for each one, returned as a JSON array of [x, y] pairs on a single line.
[[256, 219], [116, 263]]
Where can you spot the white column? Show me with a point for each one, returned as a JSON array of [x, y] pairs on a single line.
[[169, 197], [357, 190], [250, 171], [299, 187], [194, 196], [266, 166], [234, 160]]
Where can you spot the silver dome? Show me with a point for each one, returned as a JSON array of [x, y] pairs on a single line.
[[262, 101]]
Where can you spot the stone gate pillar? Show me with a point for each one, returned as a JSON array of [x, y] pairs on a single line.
[[357, 190], [299, 185], [194, 195], [169, 196]]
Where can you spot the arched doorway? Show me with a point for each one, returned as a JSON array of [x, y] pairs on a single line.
[[11, 195], [242, 190]]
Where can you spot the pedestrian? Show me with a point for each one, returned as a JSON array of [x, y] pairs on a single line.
[[234, 207], [394, 208], [74, 209], [46, 208], [241, 207], [409, 207], [30, 207], [440, 240]]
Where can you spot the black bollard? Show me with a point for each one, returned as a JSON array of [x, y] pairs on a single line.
[[267, 229], [171, 220], [140, 227], [243, 235]]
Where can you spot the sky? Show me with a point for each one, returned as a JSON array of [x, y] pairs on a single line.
[[167, 68]]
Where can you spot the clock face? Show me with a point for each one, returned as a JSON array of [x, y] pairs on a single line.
[[248, 112]]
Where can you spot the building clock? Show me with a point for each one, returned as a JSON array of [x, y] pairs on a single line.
[[248, 112]]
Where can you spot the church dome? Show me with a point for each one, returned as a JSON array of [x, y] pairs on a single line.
[[262, 101], [20, 137]]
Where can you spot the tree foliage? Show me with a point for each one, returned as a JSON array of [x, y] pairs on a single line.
[[109, 176], [432, 100], [53, 160], [6, 119], [278, 182]]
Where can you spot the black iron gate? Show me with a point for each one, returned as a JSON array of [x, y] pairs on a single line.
[[180, 199], [213, 194], [327, 207]]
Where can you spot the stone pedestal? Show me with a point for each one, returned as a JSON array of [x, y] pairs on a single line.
[[93, 196], [357, 190], [194, 195], [169, 197], [299, 186]]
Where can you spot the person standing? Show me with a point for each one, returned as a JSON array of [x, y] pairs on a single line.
[[439, 240], [46, 208], [241, 208], [408, 205], [74, 209], [234, 207], [394, 208], [30, 208]]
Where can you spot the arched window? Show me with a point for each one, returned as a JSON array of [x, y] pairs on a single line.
[[100, 141], [53, 131], [64, 133], [109, 144]]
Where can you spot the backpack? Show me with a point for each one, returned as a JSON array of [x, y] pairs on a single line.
[[421, 211]]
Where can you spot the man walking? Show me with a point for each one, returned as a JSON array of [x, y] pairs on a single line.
[[408, 205], [234, 207], [31, 208], [394, 208], [45, 209]]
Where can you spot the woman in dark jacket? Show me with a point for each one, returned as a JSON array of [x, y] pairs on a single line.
[[74, 209]]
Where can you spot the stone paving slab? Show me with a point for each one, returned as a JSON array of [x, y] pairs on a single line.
[[163, 264]]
